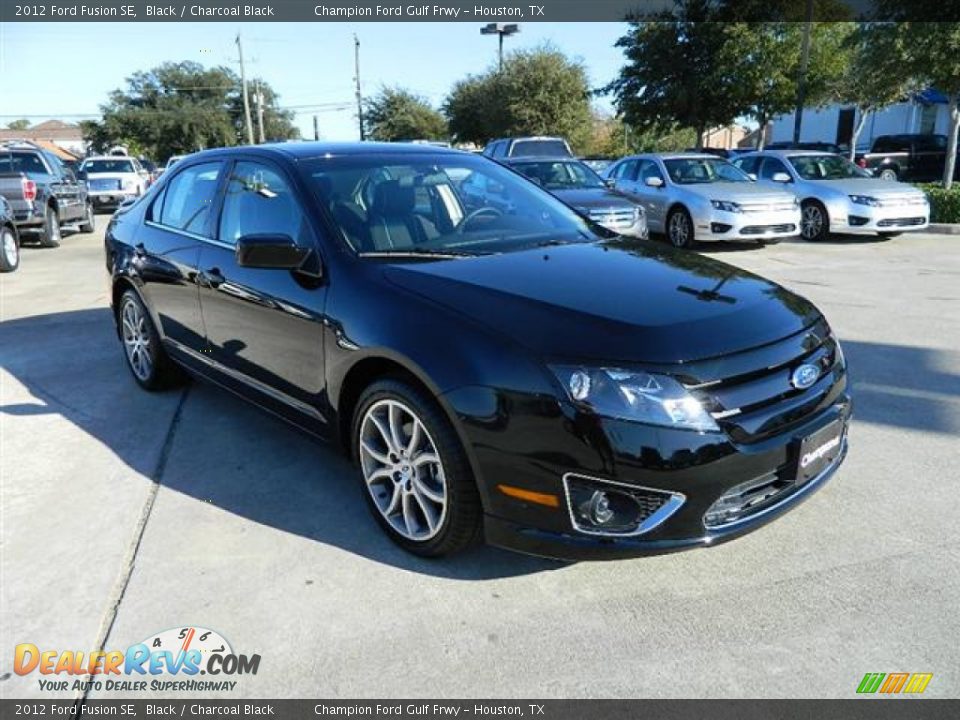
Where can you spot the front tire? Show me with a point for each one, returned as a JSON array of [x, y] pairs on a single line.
[[680, 229], [147, 360], [9, 250], [889, 174], [89, 223], [814, 223], [50, 235], [415, 473]]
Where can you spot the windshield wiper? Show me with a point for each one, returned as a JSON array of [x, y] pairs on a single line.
[[418, 252]]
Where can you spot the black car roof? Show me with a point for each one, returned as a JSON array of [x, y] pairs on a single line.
[[306, 150]]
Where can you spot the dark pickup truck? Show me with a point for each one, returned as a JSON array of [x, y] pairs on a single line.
[[43, 193], [907, 157]]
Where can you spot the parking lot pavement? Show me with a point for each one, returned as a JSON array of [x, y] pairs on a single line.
[[124, 514]]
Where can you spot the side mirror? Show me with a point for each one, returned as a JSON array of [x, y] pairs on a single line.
[[276, 252], [780, 177], [752, 176], [610, 182], [654, 182]]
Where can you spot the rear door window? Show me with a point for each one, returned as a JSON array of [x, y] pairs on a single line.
[[189, 198]]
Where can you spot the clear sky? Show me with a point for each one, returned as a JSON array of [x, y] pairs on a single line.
[[66, 70]]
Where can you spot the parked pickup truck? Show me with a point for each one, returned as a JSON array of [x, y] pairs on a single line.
[[907, 157], [43, 193]]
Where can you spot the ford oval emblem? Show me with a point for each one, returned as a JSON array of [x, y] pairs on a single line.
[[805, 376]]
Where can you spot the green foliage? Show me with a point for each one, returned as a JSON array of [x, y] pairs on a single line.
[[179, 108], [398, 114], [539, 92], [944, 203], [21, 124]]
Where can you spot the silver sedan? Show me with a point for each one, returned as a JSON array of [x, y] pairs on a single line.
[[837, 196], [693, 197]]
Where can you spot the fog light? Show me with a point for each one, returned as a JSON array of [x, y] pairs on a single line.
[[598, 509], [608, 508], [855, 220], [719, 228]]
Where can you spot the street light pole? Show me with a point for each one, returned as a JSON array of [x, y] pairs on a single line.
[[501, 30], [246, 98]]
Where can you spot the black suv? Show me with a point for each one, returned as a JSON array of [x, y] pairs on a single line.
[[907, 157], [524, 376]]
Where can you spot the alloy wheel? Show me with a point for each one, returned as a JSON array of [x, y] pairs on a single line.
[[11, 252], [136, 339], [679, 230], [402, 470], [811, 222]]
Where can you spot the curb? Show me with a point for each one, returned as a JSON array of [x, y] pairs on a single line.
[[943, 228]]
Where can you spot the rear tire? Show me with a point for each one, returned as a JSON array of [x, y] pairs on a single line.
[[9, 249], [415, 474], [50, 235], [889, 174], [146, 359], [814, 222], [89, 223], [680, 229]]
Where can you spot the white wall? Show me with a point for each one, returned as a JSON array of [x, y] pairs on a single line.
[[821, 124]]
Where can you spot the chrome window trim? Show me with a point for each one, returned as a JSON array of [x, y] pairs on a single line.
[[664, 513], [187, 233]]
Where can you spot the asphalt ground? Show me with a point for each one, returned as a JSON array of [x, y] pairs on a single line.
[[123, 514]]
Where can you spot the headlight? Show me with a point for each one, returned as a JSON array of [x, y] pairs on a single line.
[[865, 200], [726, 206], [640, 396]]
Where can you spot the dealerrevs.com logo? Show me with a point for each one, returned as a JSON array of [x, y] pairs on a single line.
[[171, 660], [894, 683]]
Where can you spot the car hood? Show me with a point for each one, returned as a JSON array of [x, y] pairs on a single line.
[[618, 301], [874, 187], [593, 198], [738, 192]]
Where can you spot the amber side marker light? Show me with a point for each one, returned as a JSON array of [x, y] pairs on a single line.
[[530, 496]]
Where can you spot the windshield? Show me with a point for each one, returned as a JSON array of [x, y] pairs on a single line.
[[826, 167], [107, 166], [560, 175], [456, 204], [695, 171]]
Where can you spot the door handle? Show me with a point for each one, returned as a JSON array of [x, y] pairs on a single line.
[[212, 278]]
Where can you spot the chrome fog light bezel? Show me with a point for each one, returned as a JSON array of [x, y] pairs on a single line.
[[673, 501]]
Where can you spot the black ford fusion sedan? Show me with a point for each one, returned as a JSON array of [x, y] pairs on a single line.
[[511, 372]]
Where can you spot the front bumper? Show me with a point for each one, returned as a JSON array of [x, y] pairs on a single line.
[[698, 467], [855, 218], [747, 226]]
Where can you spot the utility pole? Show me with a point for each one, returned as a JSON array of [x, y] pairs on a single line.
[[802, 80], [356, 64], [246, 99], [259, 98], [316, 129]]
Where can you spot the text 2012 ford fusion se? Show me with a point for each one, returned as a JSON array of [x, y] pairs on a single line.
[[512, 373]]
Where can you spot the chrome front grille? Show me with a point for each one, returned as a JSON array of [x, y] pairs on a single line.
[[752, 397], [902, 201], [614, 218], [758, 207], [901, 222]]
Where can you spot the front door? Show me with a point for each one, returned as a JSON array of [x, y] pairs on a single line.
[[264, 326]]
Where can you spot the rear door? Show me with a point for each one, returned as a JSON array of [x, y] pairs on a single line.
[[177, 221], [264, 326]]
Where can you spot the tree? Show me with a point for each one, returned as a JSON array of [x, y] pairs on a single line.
[[675, 72], [398, 114], [932, 51], [21, 124], [538, 92], [875, 76], [179, 108], [765, 59]]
